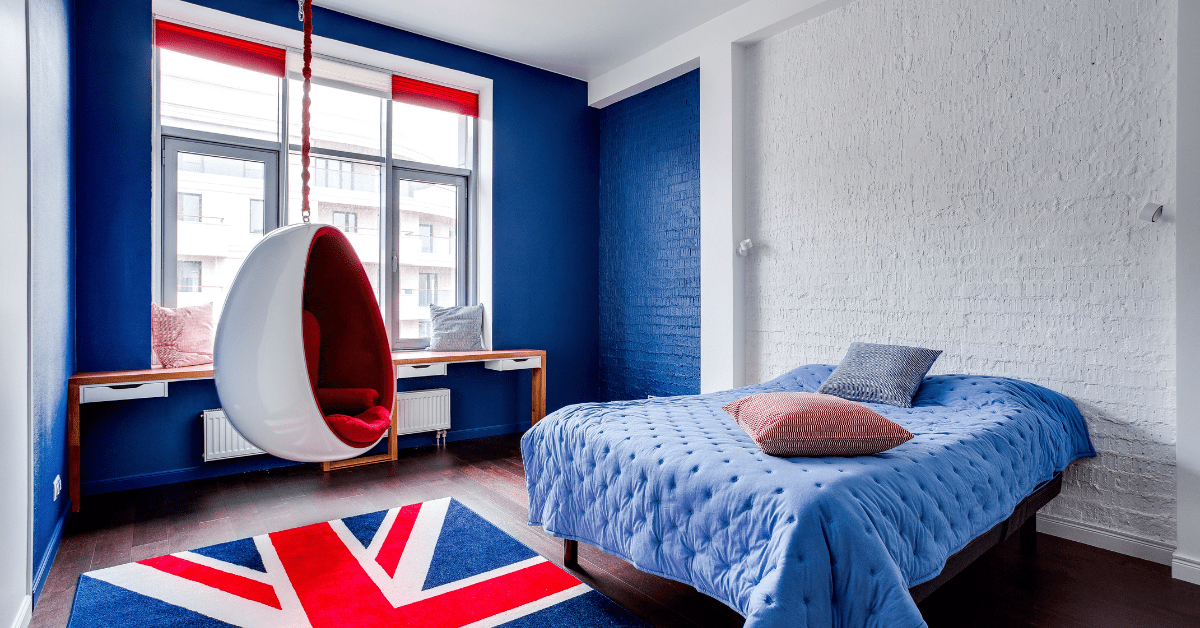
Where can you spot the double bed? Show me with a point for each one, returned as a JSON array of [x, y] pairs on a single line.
[[674, 486]]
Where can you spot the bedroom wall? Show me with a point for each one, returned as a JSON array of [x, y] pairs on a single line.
[[52, 269], [545, 195], [966, 176], [650, 242]]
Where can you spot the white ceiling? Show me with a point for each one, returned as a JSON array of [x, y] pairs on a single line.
[[579, 38]]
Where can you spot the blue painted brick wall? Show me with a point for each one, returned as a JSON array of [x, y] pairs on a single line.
[[650, 242]]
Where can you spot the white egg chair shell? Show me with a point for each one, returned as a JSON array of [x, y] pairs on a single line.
[[260, 368]]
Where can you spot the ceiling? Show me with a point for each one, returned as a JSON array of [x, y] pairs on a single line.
[[579, 38]]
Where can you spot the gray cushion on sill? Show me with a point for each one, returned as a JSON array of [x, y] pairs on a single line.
[[458, 328]]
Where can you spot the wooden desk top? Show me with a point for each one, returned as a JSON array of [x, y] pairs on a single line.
[[205, 371], [425, 357]]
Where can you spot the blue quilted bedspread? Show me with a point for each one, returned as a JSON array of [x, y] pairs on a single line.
[[677, 488]]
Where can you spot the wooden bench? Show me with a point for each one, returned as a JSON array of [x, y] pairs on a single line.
[[110, 383]]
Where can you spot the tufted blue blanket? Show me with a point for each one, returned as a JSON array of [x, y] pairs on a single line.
[[674, 486]]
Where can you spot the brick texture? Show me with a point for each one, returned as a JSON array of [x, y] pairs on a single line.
[[650, 242], [966, 176]]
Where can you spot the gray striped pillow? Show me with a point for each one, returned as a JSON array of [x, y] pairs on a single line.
[[888, 374], [457, 328]]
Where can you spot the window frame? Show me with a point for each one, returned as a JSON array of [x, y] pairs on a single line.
[[172, 144], [463, 251], [472, 235]]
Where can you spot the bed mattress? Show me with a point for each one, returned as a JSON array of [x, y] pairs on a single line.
[[674, 486]]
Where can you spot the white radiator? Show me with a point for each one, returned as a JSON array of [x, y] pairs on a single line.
[[422, 411], [221, 440]]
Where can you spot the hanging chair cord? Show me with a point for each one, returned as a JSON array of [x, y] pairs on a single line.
[[305, 113]]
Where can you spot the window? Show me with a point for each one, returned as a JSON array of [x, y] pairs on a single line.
[[427, 290], [190, 276], [346, 221], [223, 196], [190, 207], [230, 128], [426, 238], [428, 205], [256, 215]]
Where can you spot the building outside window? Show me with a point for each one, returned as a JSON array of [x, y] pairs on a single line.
[[231, 174], [190, 207], [426, 233], [190, 275], [346, 221], [427, 290], [256, 215]]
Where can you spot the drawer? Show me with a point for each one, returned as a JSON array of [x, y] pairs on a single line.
[[420, 370], [513, 364], [119, 392]]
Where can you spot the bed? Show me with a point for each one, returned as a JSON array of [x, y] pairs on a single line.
[[675, 487]]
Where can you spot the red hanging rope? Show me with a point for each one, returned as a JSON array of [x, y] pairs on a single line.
[[305, 113]]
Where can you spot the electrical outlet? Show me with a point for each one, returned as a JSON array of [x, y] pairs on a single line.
[[57, 486]]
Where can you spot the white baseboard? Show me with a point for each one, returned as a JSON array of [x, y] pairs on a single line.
[[1120, 542], [1185, 568], [25, 614]]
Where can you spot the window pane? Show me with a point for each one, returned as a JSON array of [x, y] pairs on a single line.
[[219, 197], [344, 194], [341, 120], [430, 136], [428, 263], [205, 95]]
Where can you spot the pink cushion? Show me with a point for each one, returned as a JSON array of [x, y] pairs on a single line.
[[811, 424], [346, 400], [363, 429], [182, 336]]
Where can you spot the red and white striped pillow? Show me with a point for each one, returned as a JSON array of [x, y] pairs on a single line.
[[812, 424]]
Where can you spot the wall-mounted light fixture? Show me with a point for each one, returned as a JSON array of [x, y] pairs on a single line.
[[745, 247], [1151, 212]]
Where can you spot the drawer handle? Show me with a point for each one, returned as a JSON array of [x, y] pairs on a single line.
[[124, 386], [421, 366], [520, 359]]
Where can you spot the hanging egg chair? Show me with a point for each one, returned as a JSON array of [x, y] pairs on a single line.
[[301, 359]]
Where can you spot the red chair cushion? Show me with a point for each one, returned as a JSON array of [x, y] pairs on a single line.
[[812, 424], [312, 347], [363, 429], [346, 400]]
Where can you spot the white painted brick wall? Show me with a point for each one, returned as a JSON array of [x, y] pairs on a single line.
[[965, 175]]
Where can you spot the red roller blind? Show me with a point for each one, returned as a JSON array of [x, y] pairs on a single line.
[[439, 97], [214, 47]]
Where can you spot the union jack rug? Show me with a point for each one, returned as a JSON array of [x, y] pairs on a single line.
[[436, 564]]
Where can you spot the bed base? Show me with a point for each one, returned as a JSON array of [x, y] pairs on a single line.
[[1022, 520]]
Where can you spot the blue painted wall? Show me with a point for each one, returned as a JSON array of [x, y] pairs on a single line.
[[650, 242], [52, 268], [545, 221]]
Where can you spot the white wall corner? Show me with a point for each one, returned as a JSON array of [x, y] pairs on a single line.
[[24, 614], [1185, 568], [1119, 542], [722, 156], [1187, 301]]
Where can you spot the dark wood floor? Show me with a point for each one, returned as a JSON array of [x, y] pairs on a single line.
[[1064, 584]]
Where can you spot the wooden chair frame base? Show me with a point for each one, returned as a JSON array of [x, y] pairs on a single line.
[[392, 454]]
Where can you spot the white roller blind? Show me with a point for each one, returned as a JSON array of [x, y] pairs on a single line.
[[341, 75]]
